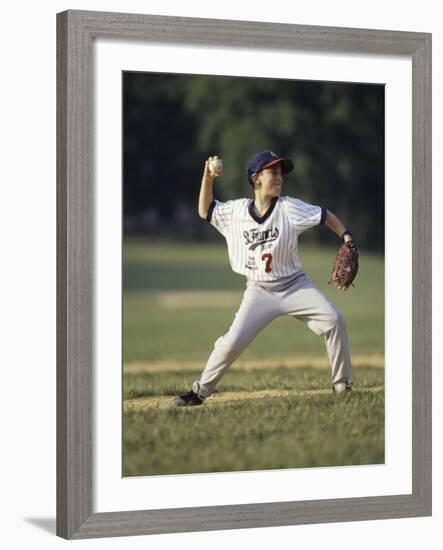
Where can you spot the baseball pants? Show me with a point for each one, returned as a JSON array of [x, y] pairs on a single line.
[[260, 305]]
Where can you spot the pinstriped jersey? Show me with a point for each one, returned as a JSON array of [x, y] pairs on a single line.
[[264, 248]]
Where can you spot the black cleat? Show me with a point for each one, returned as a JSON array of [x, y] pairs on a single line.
[[342, 387], [189, 398]]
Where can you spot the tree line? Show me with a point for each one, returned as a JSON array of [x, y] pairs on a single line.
[[333, 131]]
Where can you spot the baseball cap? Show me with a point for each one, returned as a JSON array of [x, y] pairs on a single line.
[[265, 159]]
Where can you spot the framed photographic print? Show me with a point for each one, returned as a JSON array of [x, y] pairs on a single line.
[[145, 287]]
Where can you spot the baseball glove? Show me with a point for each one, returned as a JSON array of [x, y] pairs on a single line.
[[345, 266]]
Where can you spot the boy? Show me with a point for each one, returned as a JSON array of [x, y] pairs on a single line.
[[262, 238]]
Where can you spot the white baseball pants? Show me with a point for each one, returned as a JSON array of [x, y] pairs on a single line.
[[260, 305]]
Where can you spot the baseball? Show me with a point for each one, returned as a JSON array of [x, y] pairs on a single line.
[[217, 166]]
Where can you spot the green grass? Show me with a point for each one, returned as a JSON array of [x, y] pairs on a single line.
[[155, 332], [283, 378], [258, 434], [295, 431]]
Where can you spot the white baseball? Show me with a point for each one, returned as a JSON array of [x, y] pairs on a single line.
[[217, 166]]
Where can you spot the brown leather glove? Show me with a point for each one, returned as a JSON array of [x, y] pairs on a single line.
[[345, 266]]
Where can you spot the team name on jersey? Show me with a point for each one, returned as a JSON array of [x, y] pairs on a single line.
[[255, 237]]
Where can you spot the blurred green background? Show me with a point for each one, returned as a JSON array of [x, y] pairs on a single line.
[[172, 123], [180, 297]]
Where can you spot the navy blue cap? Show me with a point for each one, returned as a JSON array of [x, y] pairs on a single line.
[[265, 159]]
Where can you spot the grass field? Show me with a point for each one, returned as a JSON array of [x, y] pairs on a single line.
[[274, 408]]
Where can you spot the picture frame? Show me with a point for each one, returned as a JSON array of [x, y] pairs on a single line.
[[76, 32]]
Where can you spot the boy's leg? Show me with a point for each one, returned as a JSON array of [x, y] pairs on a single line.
[[307, 303], [258, 308]]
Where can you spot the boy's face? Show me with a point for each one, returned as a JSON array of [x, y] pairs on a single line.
[[270, 181]]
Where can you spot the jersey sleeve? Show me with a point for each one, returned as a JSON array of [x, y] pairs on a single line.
[[303, 215], [220, 215]]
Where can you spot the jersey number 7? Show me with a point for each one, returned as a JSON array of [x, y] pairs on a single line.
[[268, 259]]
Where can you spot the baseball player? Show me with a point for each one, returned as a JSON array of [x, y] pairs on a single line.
[[262, 239]]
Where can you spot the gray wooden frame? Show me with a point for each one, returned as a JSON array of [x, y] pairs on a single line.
[[76, 31]]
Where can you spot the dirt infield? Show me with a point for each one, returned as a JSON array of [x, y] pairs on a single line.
[[376, 360], [165, 402]]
